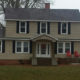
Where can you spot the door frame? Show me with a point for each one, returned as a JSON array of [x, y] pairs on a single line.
[[38, 47]]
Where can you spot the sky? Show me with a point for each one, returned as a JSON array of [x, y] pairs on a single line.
[[65, 4]]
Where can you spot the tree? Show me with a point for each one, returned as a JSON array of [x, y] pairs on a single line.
[[21, 3]]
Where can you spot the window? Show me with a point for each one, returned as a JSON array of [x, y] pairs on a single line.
[[25, 46], [43, 48], [22, 46], [67, 47], [43, 27], [63, 47], [0, 46], [60, 47], [64, 28], [22, 28], [18, 46]]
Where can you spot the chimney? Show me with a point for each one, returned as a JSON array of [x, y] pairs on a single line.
[[47, 5]]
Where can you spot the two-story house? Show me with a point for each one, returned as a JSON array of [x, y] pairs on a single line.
[[39, 35]]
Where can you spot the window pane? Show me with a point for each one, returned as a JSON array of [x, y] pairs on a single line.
[[43, 27], [67, 49], [18, 49], [25, 46], [43, 48], [18, 46], [22, 26], [38, 49], [63, 27], [0, 45], [67, 45], [60, 45], [60, 50]]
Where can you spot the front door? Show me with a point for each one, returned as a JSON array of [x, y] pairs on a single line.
[[43, 50]]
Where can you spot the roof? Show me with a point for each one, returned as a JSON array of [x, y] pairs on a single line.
[[32, 14]]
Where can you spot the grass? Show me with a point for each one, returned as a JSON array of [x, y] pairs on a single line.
[[40, 73]]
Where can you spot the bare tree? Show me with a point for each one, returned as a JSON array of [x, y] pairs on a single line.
[[21, 3]]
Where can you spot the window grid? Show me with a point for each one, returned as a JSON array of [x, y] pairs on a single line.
[[22, 46]]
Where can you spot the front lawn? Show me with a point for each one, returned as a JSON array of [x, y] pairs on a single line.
[[40, 73]]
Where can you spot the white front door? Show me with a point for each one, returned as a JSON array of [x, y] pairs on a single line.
[[43, 50]]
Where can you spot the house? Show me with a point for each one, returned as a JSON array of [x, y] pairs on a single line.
[[39, 36]]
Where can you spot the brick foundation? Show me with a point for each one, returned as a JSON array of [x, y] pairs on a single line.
[[44, 61], [14, 62], [68, 60]]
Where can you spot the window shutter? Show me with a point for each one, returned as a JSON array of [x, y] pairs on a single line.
[[69, 28], [38, 24], [13, 46], [59, 27], [48, 27], [17, 26], [27, 27], [55, 47], [30, 47], [72, 47], [3, 46]]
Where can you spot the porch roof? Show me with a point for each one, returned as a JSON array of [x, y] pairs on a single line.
[[44, 37]]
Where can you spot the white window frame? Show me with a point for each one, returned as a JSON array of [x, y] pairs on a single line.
[[66, 28], [22, 47], [1, 46], [64, 47], [20, 26], [41, 27], [43, 55]]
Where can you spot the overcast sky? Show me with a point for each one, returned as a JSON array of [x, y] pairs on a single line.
[[66, 4]]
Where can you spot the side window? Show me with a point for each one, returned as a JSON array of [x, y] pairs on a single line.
[[60, 48]]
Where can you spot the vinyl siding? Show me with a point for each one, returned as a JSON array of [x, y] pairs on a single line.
[[11, 30], [10, 55]]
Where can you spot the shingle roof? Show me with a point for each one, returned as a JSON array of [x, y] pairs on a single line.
[[42, 14]]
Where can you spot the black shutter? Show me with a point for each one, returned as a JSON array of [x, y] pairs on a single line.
[[48, 27], [13, 46], [27, 27], [38, 29], [72, 47], [59, 27], [55, 47], [3, 46], [30, 46], [17, 26], [69, 28]]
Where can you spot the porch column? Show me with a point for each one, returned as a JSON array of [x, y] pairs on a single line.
[[54, 61], [34, 59]]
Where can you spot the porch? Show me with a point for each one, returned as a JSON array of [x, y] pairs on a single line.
[[43, 48]]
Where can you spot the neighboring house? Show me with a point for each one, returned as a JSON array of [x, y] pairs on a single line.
[[39, 35]]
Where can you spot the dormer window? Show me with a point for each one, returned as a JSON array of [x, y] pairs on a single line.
[[64, 28], [43, 28], [22, 28]]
